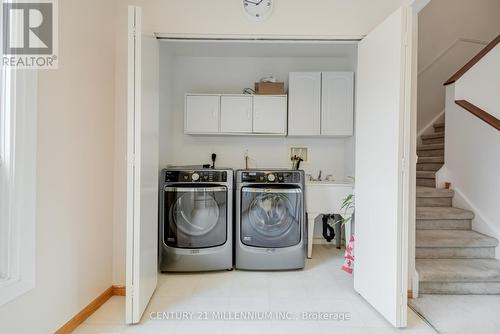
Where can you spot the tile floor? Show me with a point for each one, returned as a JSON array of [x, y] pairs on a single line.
[[460, 314], [320, 287]]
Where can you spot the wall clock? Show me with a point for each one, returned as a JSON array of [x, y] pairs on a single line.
[[258, 10]]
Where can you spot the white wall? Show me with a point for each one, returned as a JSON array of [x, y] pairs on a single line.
[[441, 24], [481, 84], [290, 17], [182, 74], [472, 165], [431, 92], [74, 176]]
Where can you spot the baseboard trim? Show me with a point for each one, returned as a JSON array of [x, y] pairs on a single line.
[[87, 311]]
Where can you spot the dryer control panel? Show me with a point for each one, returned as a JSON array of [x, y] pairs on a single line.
[[271, 177], [196, 176]]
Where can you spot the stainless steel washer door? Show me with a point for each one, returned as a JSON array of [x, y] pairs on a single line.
[[271, 217], [196, 216]]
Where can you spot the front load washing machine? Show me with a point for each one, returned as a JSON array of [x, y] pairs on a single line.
[[270, 220], [195, 220]]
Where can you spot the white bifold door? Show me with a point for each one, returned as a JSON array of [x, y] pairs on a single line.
[[384, 108], [142, 168]]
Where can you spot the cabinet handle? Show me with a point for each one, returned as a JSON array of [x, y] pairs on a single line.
[[249, 116], [214, 113]]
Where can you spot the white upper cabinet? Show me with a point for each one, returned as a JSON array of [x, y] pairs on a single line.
[[236, 114], [202, 114], [304, 109], [270, 114], [321, 104], [337, 103]]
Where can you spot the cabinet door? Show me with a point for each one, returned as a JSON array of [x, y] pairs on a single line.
[[236, 114], [202, 114], [337, 103], [270, 114], [304, 113]]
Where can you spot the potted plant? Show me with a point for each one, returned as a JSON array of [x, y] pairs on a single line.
[[348, 208]]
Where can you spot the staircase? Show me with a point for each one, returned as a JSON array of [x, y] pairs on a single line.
[[451, 258]]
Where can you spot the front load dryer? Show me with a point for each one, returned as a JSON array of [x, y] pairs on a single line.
[[195, 220], [270, 220]]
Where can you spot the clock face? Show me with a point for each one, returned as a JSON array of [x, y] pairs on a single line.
[[258, 9]]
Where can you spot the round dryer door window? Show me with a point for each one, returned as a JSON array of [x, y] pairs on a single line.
[[195, 213], [271, 217], [197, 217]]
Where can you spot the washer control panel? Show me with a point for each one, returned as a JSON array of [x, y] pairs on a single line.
[[271, 177], [202, 176]]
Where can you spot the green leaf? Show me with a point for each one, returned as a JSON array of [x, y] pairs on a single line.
[[347, 205]]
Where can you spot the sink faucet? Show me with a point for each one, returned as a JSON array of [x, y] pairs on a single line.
[[319, 176]]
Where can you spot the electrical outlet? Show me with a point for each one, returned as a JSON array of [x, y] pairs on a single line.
[[300, 152]]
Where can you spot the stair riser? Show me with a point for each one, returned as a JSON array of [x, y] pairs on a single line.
[[434, 201], [429, 167], [438, 129], [426, 175], [445, 224], [426, 182], [460, 288], [430, 153], [455, 253], [433, 141], [430, 160]]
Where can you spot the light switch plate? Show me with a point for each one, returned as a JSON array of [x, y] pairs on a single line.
[[302, 152]]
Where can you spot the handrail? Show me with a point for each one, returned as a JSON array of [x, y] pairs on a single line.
[[473, 61], [480, 113]]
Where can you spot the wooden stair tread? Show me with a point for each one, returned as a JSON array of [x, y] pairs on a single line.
[[453, 239], [430, 147], [433, 136], [434, 213], [458, 270], [434, 192]]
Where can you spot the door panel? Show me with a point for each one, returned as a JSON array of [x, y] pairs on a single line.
[[337, 103], [202, 114], [304, 109], [142, 168], [270, 114], [236, 114], [382, 176]]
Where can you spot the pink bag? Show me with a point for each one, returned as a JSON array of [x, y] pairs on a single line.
[[349, 257]]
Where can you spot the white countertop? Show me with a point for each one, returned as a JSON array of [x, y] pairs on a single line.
[[330, 183]]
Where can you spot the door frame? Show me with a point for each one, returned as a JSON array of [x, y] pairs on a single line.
[[408, 240], [341, 40], [133, 104]]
